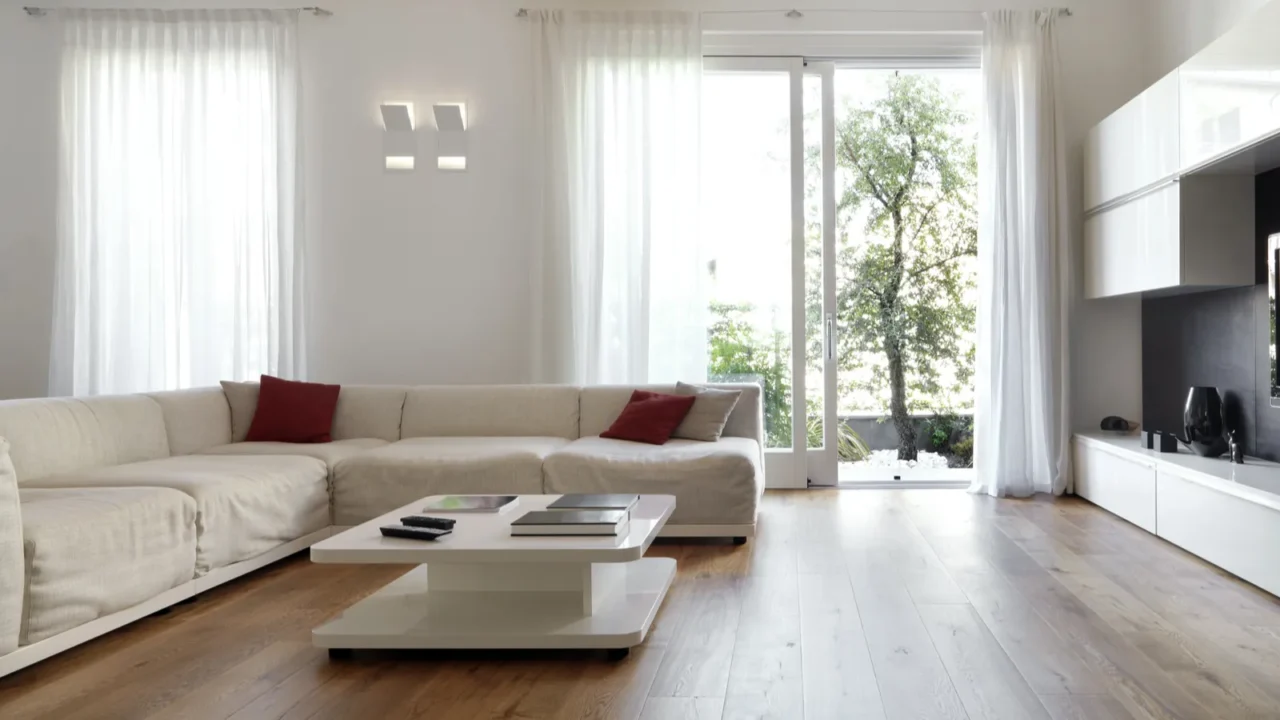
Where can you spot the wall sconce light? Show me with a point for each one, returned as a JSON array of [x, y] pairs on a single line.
[[399, 144], [451, 136]]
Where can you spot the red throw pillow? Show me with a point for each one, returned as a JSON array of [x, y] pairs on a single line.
[[650, 417], [293, 412]]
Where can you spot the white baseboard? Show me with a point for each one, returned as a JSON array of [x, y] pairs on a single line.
[[29, 655]]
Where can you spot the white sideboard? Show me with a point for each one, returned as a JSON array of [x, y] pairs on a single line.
[[1226, 514]]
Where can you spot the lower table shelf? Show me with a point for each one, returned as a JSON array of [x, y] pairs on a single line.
[[408, 614]]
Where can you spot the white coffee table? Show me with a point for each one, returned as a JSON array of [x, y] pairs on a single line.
[[482, 588]]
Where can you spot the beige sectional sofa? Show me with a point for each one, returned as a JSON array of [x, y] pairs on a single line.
[[112, 508]]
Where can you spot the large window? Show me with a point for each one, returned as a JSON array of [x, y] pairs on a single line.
[[179, 201], [746, 225]]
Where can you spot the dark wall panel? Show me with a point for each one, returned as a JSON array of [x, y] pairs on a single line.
[[1200, 339], [1217, 338]]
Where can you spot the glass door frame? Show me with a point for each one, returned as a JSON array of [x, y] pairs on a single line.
[[823, 462], [790, 468]]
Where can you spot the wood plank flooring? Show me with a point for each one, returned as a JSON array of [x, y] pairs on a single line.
[[861, 604]]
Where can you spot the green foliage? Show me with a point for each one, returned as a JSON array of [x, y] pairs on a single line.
[[939, 439], [904, 305], [964, 451], [850, 447], [738, 354], [942, 427]]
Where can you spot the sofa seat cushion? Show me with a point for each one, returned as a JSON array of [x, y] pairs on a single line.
[[381, 480], [91, 552], [331, 452], [715, 483], [246, 504]]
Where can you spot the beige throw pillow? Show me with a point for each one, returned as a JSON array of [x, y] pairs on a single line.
[[710, 412], [243, 399]]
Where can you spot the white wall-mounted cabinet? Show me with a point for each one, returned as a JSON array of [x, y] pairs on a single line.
[[1231, 90], [1168, 178], [1136, 147], [1196, 233]]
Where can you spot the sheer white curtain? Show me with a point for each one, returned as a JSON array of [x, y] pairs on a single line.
[[619, 281], [1021, 423], [180, 235]]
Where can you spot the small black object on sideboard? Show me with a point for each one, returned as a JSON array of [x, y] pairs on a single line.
[[1161, 441]]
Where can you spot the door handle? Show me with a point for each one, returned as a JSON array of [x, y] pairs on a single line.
[[831, 336]]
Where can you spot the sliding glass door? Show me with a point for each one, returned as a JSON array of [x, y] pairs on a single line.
[[904, 269], [838, 215]]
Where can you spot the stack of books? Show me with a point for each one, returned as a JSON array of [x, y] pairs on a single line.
[[601, 515]]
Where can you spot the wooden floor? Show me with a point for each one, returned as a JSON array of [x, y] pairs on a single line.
[[849, 604]]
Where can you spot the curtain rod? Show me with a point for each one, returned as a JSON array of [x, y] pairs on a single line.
[[42, 11], [793, 13]]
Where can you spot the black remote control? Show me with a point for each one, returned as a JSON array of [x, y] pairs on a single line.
[[424, 521], [413, 533]]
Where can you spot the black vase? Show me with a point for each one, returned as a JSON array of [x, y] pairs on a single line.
[[1204, 423]]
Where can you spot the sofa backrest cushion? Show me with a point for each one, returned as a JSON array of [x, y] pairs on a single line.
[[492, 411], [11, 555], [364, 411], [369, 411], [61, 435], [195, 419], [243, 399], [601, 405]]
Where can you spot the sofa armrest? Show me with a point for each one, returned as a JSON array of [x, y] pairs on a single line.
[[11, 560]]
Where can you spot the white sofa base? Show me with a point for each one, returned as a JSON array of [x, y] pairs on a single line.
[[221, 575], [697, 531], [29, 655]]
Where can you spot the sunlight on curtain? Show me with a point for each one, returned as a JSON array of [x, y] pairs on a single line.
[[619, 279], [1021, 440], [180, 243]]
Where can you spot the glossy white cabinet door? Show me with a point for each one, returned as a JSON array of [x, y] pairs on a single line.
[[1237, 535], [1124, 486], [1136, 146], [1231, 89], [1134, 247]]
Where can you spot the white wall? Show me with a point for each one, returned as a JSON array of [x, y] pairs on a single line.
[[28, 188], [1183, 27], [419, 277], [424, 277]]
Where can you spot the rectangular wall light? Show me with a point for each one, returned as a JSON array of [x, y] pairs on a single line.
[[451, 135], [399, 144]]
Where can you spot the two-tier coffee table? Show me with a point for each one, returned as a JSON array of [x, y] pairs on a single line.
[[482, 588]]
